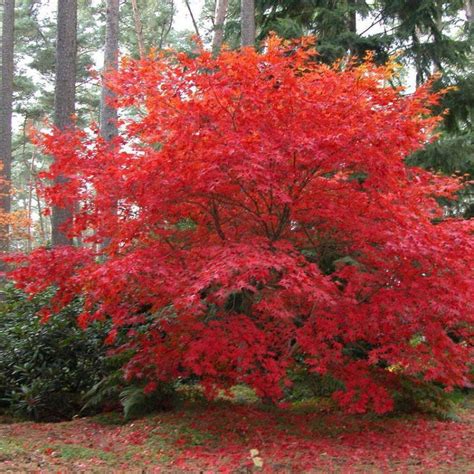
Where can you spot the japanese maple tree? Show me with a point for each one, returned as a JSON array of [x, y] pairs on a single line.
[[256, 212]]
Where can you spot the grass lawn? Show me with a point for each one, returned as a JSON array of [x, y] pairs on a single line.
[[242, 438]]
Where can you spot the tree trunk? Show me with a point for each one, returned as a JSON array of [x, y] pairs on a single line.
[[31, 185], [64, 96], [469, 9], [108, 114], [165, 30], [352, 16], [247, 22], [437, 31], [138, 29], [221, 11], [43, 237], [196, 28], [352, 25], [6, 105]]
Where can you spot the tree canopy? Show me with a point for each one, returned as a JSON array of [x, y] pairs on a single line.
[[255, 222]]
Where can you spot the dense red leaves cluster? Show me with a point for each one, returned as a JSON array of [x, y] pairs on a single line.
[[256, 211]]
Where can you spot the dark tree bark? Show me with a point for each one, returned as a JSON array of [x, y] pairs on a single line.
[[221, 11], [352, 16], [64, 96], [6, 104], [247, 22], [352, 24]]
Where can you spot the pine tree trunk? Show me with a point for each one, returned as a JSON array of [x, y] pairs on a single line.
[[6, 104], [221, 11], [138, 29], [64, 96], [108, 114], [247, 22]]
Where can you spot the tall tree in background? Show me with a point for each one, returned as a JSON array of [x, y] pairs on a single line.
[[64, 96], [33, 101], [193, 19], [423, 32], [108, 114], [138, 29], [219, 19], [453, 153], [6, 114], [155, 25], [333, 22], [247, 22]]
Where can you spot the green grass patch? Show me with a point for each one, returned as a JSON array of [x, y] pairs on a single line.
[[113, 418], [10, 448], [77, 453]]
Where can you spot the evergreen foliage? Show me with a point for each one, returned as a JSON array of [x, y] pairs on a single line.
[[45, 369]]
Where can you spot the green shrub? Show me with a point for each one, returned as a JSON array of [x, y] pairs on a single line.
[[113, 391], [426, 397], [309, 385], [46, 368]]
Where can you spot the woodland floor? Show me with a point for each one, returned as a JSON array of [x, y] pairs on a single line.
[[242, 438]]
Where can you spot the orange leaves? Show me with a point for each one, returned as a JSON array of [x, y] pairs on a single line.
[[16, 222]]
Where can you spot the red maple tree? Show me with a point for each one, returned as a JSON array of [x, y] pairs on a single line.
[[257, 214]]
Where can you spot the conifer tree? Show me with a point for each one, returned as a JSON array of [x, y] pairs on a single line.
[[6, 103], [64, 97]]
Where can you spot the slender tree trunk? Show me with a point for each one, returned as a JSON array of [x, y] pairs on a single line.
[[108, 114], [165, 30], [138, 29], [469, 9], [416, 35], [31, 185], [6, 106], [352, 16], [196, 29], [247, 22], [64, 96], [221, 11], [43, 237], [352, 24]]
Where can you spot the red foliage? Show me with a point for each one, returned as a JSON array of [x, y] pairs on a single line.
[[257, 213], [314, 442], [226, 438]]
